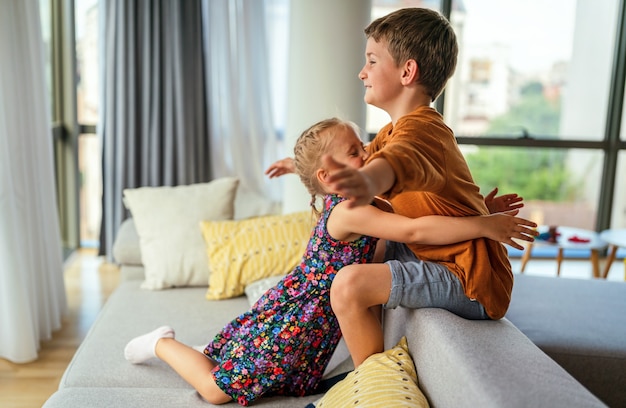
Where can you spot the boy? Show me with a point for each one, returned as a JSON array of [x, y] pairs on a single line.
[[415, 163]]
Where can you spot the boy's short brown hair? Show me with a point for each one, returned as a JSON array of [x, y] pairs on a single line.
[[423, 35]]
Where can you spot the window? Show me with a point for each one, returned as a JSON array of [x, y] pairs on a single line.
[[530, 105], [87, 112], [87, 61], [555, 183]]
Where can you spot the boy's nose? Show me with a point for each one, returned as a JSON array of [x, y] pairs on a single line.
[[361, 74]]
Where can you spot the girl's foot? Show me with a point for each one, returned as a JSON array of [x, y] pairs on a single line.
[[141, 349]]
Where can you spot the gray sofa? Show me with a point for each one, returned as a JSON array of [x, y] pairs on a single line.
[[519, 361], [580, 324]]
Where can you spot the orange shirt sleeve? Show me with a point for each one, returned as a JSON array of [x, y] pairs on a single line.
[[414, 150]]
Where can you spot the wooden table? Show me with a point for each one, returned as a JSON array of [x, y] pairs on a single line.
[[564, 241], [615, 238]]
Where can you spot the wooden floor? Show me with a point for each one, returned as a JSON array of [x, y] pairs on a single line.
[[88, 283]]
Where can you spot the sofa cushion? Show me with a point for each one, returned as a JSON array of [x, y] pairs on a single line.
[[131, 311], [243, 251], [581, 324], [167, 222], [257, 288], [386, 379], [126, 249], [148, 397], [250, 204]]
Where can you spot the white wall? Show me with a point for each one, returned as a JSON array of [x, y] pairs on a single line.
[[326, 53]]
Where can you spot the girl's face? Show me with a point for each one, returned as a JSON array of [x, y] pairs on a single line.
[[347, 148]]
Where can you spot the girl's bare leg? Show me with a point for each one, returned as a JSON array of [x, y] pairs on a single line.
[[194, 367], [356, 292]]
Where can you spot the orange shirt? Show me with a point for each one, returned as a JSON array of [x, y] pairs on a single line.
[[432, 178]]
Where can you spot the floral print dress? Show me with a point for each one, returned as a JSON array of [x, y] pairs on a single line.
[[283, 344]]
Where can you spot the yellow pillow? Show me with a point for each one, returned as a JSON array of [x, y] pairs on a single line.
[[386, 379], [241, 252]]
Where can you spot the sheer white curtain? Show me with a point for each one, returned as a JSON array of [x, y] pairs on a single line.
[[243, 135], [32, 292]]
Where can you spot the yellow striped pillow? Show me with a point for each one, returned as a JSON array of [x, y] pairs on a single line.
[[386, 379], [243, 251]]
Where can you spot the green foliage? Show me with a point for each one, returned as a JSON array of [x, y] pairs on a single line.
[[533, 112], [533, 173]]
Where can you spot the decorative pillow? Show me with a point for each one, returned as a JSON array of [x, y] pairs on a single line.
[[385, 379], [166, 219], [258, 288], [241, 252]]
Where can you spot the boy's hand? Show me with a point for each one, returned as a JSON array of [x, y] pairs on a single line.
[[503, 203], [281, 167], [348, 182], [504, 227]]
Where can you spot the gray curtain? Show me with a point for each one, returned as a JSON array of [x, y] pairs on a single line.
[[154, 130]]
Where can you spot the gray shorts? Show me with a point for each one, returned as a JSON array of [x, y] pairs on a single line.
[[417, 284]]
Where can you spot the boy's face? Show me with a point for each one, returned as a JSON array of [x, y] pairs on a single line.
[[348, 149], [380, 75]]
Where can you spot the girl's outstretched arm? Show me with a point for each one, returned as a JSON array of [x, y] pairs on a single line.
[[281, 167], [346, 223]]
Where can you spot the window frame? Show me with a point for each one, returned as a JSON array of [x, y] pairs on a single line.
[[610, 144]]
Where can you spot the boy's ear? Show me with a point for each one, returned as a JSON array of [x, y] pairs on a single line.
[[410, 73]]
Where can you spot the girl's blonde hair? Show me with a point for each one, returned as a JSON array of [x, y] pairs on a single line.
[[312, 144]]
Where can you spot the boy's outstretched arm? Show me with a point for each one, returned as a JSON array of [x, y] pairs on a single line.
[[362, 185]]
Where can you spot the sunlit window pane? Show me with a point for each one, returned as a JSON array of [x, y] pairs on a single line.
[[559, 186], [618, 217], [86, 17], [87, 96], [90, 189], [532, 67]]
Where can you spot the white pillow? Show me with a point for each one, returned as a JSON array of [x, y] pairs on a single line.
[[167, 220], [258, 288]]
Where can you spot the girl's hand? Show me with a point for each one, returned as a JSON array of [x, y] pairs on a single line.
[[503, 203], [281, 167], [505, 226], [348, 182]]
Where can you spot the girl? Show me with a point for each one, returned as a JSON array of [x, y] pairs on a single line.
[[284, 342]]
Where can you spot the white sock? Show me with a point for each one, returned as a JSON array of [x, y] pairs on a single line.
[[141, 349]]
